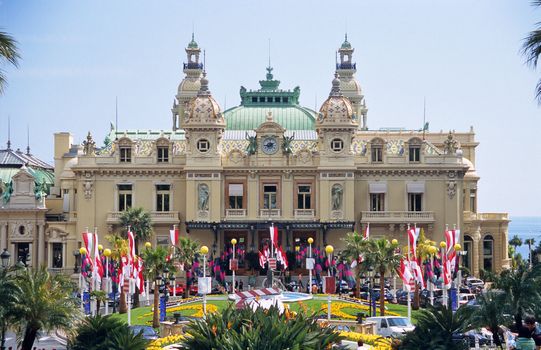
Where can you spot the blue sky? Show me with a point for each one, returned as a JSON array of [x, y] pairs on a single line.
[[463, 56]]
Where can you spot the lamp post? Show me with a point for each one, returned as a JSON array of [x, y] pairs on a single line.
[[157, 285], [148, 246], [76, 264], [433, 250], [5, 257], [107, 254], [443, 246], [370, 273], [204, 251], [329, 250], [310, 241], [232, 267], [394, 243], [83, 252]]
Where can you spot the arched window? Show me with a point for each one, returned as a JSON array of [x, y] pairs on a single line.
[[376, 150], [468, 248], [488, 253], [414, 149]]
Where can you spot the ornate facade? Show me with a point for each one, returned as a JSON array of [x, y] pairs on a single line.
[[228, 174]]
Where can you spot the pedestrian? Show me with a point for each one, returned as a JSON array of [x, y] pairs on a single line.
[[241, 285], [300, 284], [524, 340]]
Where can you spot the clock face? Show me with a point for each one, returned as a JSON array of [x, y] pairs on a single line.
[[269, 145]]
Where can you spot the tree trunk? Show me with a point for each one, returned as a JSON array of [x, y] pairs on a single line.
[[135, 301], [29, 338], [97, 306], [358, 287], [382, 292], [416, 297], [122, 304], [156, 314], [188, 284]]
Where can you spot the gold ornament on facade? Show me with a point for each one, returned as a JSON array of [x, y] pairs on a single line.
[[89, 146]]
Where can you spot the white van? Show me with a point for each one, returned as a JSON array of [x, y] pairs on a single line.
[[391, 326]]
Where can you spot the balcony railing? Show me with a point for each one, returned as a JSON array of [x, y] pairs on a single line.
[[469, 216], [235, 213], [157, 217], [397, 216], [269, 213], [306, 214]]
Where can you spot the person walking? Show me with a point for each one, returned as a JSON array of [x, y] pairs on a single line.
[[524, 340]]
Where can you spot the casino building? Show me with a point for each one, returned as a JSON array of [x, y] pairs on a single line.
[[229, 174]]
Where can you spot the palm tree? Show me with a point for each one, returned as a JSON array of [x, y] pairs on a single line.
[[155, 262], [186, 252], [101, 298], [530, 242], [8, 53], [105, 333], [381, 255], [490, 313], [10, 295], [356, 245], [47, 303], [438, 329], [515, 241], [521, 290], [140, 223], [531, 48]]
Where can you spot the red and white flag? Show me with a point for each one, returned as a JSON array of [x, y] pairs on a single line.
[[97, 260], [446, 269], [452, 237], [281, 257], [88, 241], [405, 274], [174, 233], [131, 247], [138, 275], [274, 236], [262, 260], [366, 233], [413, 236]]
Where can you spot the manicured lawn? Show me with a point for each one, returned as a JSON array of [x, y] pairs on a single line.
[[143, 315]]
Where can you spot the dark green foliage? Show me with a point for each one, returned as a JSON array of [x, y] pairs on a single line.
[[436, 327], [105, 333], [261, 329], [8, 53], [490, 313], [531, 48]]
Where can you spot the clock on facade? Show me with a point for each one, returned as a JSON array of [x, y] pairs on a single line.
[[269, 145]]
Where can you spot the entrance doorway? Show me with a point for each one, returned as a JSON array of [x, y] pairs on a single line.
[[240, 248], [22, 252]]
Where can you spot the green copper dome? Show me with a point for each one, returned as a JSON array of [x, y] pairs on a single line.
[[346, 44], [192, 44], [283, 104]]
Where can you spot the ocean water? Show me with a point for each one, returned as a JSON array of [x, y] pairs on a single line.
[[525, 227]]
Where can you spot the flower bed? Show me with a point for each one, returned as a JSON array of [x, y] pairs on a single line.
[[198, 308], [160, 343], [375, 341], [336, 310]]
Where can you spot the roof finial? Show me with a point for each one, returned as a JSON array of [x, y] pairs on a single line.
[[346, 37], [27, 139], [204, 60], [335, 91], [116, 117], [9, 132], [269, 54]]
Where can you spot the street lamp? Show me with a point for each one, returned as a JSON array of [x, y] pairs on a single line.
[[82, 284], [329, 250], [394, 244], [232, 265], [76, 264], [370, 274], [432, 250], [107, 253], [6, 257], [310, 265], [443, 247], [204, 251], [157, 285]]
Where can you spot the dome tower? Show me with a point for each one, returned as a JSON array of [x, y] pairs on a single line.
[[349, 86], [189, 86]]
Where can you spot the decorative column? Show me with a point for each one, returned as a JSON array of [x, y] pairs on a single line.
[[3, 237], [476, 257], [41, 246]]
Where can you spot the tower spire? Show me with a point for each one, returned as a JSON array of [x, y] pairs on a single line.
[[9, 132], [27, 139]]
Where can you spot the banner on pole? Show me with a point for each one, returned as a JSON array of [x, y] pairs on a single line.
[[329, 287], [233, 264], [310, 262], [204, 285], [272, 263]]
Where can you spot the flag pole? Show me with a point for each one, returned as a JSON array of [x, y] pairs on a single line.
[[94, 268], [408, 289]]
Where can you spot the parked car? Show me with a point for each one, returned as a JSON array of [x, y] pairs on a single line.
[[465, 299], [179, 289], [391, 326], [114, 299], [148, 332], [475, 282]]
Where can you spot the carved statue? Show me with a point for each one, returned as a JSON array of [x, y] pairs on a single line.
[[252, 144], [8, 190], [40, 190], [203, 203], [89, 146], [87, 187], [336, 197], [286, 145], [451, 145]]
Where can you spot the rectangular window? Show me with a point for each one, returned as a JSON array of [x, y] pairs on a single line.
[[269, 99], [236, 194], [304, 197], [415, 201], [262, 99], [277, 99], [57, 256], [285, 99], [162, 197], [473, 201], [269, 196], [125, 154], [377, 154], [415, 153], [254, 99], [124, 197], [377, 201], [66, 200], [163, 154], [163, 241]]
